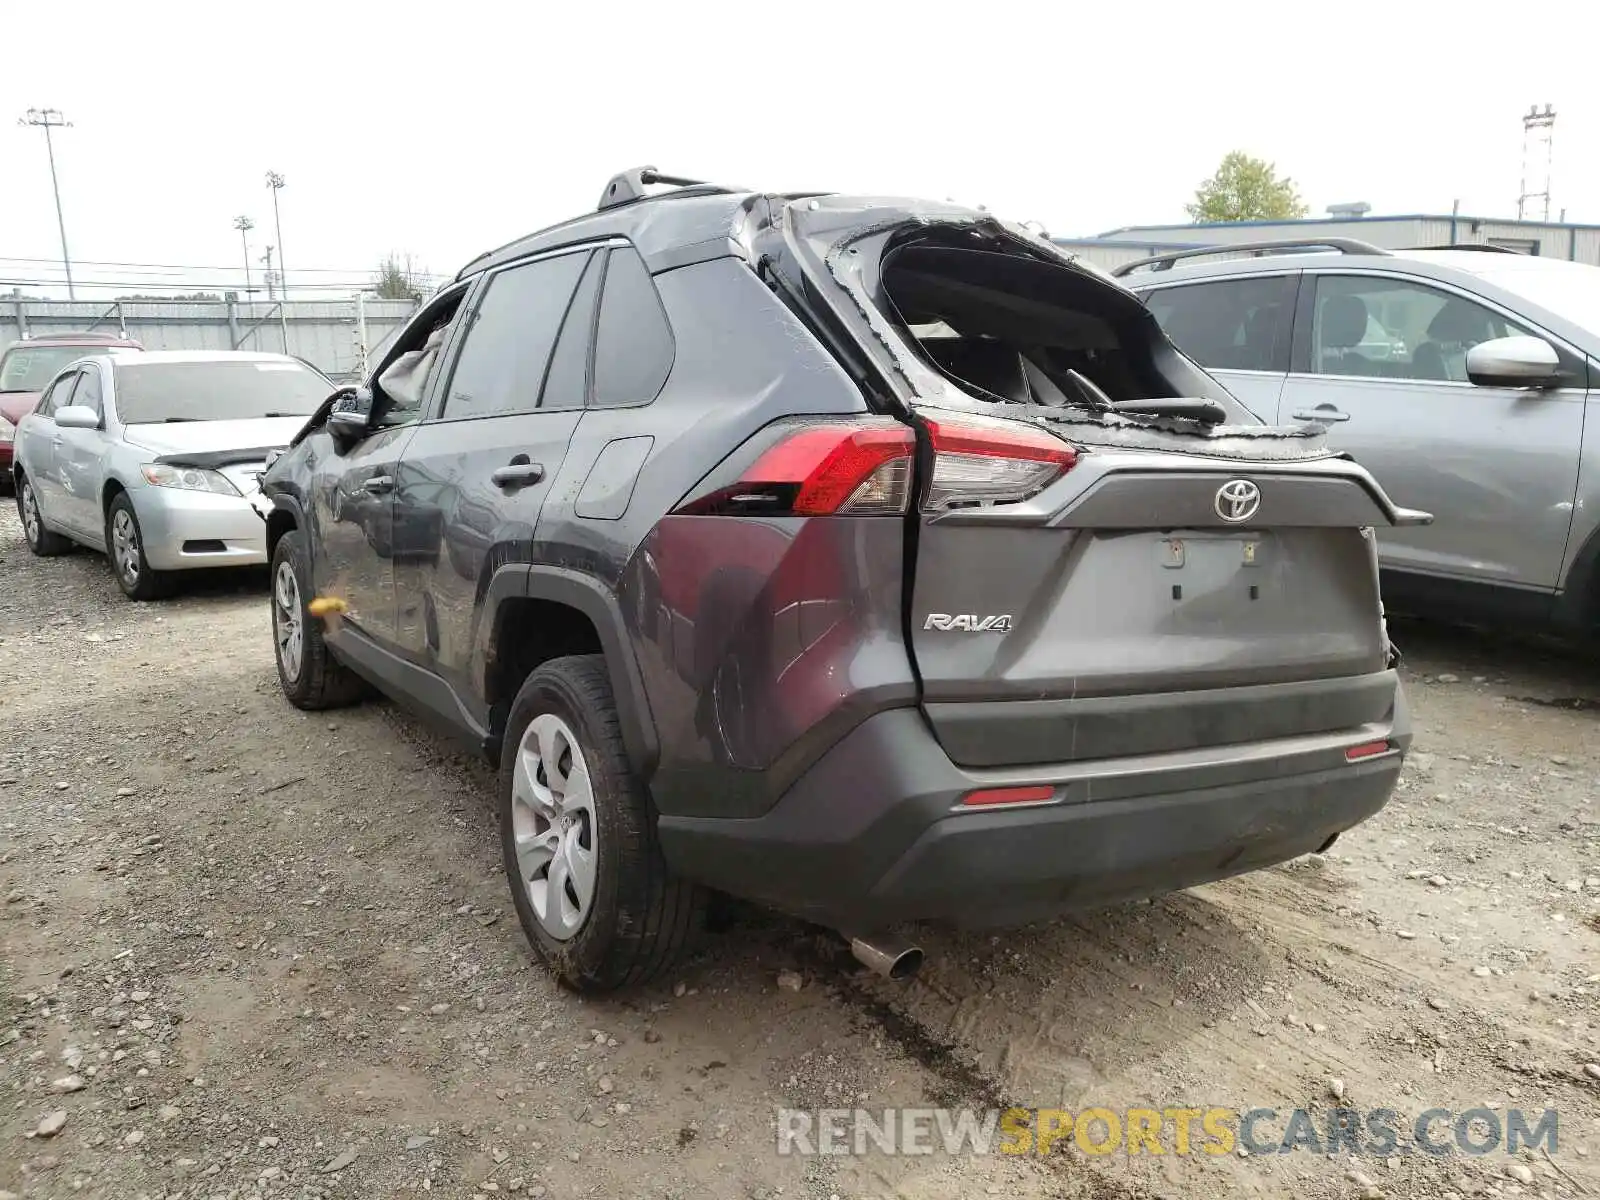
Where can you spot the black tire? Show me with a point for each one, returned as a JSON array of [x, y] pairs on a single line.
[[43, 542], [641, 919], [137, 579], [321, 681]]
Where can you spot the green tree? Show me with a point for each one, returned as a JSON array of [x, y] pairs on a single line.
[[1246, 189], [397, 279]]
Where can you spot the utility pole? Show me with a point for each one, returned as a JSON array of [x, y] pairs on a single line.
[[48, 119], [244, 225], [267, 259], [275, 182]]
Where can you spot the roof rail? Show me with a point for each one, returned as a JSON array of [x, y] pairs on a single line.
[[1475, 247], [1163, 262], [630, 185]]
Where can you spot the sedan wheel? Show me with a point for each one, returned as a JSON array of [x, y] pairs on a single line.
[[125, 548], [30, 513], [553, 826], [41, 540]]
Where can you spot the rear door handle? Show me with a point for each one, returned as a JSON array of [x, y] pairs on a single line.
[[517, 475], [378, 485], [1325, 414]]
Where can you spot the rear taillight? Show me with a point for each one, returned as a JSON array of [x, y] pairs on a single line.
[[857, 468], [978, 462], [865, 468]]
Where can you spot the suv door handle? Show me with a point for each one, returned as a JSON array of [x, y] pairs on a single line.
[[378, 485], [516, 475], [1325, 414]]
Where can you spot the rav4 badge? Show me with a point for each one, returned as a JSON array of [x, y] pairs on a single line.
[[968, 623]]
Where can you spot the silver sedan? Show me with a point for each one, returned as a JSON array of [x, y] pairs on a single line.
[[152, 458]]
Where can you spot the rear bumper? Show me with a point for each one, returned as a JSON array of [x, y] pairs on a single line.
[[874, 833], [185, 530]]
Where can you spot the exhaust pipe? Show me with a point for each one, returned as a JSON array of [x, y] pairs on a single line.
[[887, 956]]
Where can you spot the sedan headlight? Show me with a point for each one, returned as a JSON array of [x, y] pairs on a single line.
[[189, 479], [8, 431]]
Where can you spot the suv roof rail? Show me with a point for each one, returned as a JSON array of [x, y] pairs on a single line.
[[629, 186], [1163, 262], [1475, 247]]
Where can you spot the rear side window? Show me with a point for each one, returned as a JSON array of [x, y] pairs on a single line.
[[566, 382], [633, 341], [1233, 324], [502, 363]]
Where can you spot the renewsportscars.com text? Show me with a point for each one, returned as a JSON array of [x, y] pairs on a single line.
[[1172, 1130]]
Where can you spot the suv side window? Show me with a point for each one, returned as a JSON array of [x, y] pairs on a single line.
[[1229, 324], [1387, 328], [88, 393], [57, 396], [633, 341], [500, 368], [566, 383]]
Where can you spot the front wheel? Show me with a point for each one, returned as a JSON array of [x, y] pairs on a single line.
[[125, 547], [310, 676], [578, 831]]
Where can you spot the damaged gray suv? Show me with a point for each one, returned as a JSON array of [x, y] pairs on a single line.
[[869, 558]]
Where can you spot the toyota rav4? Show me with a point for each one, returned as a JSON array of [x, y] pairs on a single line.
[[868, 558]]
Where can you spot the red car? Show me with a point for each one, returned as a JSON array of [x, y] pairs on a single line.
[[28, 366]]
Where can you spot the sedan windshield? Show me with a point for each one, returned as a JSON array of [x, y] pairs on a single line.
[[150, 393], [30, 368]]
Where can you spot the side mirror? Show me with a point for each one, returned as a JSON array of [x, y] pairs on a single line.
[[77, 416], [1514, 362], [351, 414]]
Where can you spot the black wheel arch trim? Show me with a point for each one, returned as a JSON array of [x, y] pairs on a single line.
[[1578, 605], [590, 597]]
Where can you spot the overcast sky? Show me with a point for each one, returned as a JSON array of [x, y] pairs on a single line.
[[439, 131]]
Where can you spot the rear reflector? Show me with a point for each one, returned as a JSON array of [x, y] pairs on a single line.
[[858, 468], [1008, 795], [982, 462], [1367, 750]]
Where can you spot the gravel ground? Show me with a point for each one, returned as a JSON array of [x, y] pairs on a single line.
[[246, 950]]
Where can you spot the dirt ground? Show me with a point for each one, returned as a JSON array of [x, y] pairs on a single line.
[[246, 950]]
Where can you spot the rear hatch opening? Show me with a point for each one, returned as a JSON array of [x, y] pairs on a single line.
[[1107, 556]]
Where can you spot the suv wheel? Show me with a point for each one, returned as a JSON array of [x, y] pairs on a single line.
[[41, 541], [125, 547], [310, 676], [579, 835]]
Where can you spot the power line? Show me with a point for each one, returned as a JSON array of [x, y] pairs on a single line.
[[364, 284], [92, 262]]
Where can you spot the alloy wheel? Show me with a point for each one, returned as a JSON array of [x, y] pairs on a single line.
[[287, 621], [553, 826]]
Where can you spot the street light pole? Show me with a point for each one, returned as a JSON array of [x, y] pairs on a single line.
[[244, 225], [48, 119], [275, 183]]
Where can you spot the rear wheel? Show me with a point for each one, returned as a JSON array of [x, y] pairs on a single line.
[[310, 676], [41, 541], [578, 831], [125, 547]]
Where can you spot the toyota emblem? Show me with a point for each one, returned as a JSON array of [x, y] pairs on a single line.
[[1237, 500]]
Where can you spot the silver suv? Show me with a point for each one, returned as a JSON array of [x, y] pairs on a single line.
[[1459, 377]]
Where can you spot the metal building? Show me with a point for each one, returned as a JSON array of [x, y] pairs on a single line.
[[1550, 239]]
